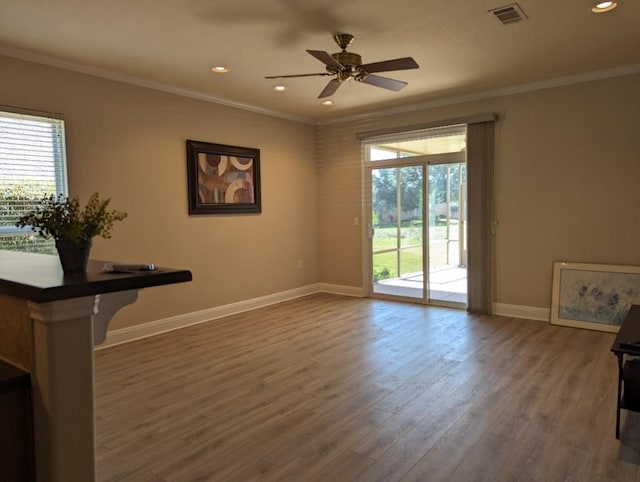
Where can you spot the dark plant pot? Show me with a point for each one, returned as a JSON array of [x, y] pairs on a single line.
[[73, 256]]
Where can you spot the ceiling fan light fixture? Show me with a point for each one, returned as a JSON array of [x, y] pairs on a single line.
[[327, 102], [219, 69], [343, 75], [344, 66], [280, 88], [603, 7]]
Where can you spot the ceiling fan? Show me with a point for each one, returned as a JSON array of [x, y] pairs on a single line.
[[348, 65]]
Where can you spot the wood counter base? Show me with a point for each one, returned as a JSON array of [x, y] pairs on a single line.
[[68, 316]]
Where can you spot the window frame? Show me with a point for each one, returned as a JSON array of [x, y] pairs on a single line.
[[45, 154]]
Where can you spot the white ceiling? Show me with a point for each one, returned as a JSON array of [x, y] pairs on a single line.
[[460, 48]]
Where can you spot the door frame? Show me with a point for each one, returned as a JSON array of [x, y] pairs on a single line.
[[415, 161]]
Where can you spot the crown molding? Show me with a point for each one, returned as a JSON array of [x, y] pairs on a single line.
[[140, 82], [489, 94], [445, 101]]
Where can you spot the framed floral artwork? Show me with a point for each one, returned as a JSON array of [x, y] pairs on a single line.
[[593, 296]]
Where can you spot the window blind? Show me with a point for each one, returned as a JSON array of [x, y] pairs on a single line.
[[32, 166]]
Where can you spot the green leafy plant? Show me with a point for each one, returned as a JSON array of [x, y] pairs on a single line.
[[381, 274], [62, 218]]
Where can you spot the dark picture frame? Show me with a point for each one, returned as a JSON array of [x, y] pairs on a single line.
[[223, 179]]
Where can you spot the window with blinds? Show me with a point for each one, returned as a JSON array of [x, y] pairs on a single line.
[[32, 166]]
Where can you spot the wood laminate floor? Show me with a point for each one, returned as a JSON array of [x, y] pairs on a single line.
[[332, 388]]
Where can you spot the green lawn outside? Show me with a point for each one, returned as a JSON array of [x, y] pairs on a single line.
[[385, 265]]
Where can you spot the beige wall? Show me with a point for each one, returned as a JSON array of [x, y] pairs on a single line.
[[567, 173], [567, 168], [128, 143]]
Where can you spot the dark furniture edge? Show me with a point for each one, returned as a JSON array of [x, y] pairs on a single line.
[[80, 286]]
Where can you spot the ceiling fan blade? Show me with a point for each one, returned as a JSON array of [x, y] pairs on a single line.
[[325, 58], [330, 88], [384, 82], [297, 75], [404, 63]]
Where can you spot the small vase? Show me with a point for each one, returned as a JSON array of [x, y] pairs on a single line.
[[74, 257]]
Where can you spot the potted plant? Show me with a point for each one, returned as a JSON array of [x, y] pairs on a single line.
[[71, 226]]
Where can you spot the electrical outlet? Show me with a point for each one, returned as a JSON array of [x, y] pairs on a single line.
[[300, 265]]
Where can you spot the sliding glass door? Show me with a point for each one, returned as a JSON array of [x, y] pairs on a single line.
[[447, 263], [397, 241], [417, 218]]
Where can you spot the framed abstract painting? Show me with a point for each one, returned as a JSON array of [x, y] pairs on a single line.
[[593, 296], [223, 179]]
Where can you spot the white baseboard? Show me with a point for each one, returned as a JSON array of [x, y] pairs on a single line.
[[518, 311], [356, 291], [137, 332], [125, 335]]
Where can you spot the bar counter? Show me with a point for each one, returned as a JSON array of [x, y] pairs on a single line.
[[49, 325]]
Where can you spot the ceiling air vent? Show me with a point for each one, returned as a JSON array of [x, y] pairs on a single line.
[[508, 14]]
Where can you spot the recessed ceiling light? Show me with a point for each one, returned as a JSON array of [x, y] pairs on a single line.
[[219, 69], [327, 102], [280, 88], [602, 7]]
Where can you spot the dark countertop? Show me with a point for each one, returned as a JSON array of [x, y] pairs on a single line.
[[39, 278]]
